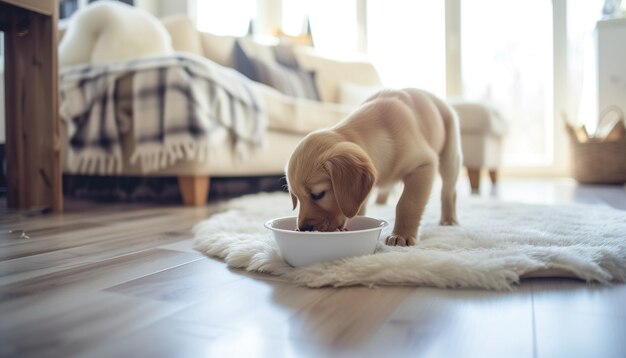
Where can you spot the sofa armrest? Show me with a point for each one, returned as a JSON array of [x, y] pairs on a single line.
[[479, 118], [331, 73]]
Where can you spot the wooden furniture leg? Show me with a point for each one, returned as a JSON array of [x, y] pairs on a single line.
[[33, 147], [194, 190], [474, 177], [493, 175]]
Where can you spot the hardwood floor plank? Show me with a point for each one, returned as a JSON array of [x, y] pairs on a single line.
[[576, 319], [86, 236], [339, 319], [189, 339], [579, 297], [253, 305], [107, 248], [63, 325], [183, 245], [190, 282], [101, 214], [96, 276], [459, 323]]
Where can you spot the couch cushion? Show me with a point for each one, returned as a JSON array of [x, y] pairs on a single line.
[[185, 37], [219, 49], [331, 73], [298, 115]]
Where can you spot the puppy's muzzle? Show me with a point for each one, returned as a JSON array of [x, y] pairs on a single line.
[[309, 224], [306, 227]]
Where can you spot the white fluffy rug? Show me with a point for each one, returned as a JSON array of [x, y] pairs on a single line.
[[497, 244]]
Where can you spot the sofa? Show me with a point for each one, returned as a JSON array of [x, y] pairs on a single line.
[[289, 118], [340, 84]]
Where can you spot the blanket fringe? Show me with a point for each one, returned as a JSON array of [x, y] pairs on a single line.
[[91, 161], [150, 158], [153, 158]]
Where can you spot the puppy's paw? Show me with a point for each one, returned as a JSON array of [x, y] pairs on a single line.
[[398, 240], [448, 222]]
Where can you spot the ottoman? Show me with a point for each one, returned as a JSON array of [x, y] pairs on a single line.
[[482, 129]]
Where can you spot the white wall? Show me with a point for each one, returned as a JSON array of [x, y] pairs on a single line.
[[611, 52]]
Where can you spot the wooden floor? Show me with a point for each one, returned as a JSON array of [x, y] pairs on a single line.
[[123, 281]]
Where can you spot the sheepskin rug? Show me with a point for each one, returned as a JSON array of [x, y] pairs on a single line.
[[496, 245]]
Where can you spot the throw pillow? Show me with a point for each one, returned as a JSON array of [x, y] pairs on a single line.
[[243, 63], [285, 55], [258, 47], [293, 82], [185, 37]]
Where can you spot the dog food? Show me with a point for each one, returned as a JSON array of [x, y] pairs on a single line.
[[336, 230]]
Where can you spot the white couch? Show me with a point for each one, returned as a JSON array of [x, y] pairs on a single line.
[[341, 85]]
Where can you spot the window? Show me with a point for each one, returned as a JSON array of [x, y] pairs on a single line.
[[333, 23], [230, 17], [405, 39], [406, 43], [507, 61]]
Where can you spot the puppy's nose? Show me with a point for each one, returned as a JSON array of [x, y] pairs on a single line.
[[306, 227]]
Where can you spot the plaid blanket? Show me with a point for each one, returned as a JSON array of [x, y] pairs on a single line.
[[182, 105]]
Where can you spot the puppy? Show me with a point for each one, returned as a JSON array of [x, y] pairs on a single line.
[[396, 135]]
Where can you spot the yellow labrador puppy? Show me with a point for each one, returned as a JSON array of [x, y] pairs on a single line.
[[405, 135]]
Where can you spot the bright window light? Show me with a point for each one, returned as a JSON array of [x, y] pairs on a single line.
[[333, 23], [221, 17], [406, 42], [506, 54]]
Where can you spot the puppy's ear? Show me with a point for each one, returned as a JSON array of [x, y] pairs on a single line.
[[294, 200], [353, 176]]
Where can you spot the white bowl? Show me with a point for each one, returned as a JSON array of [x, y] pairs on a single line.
[[303, 248]]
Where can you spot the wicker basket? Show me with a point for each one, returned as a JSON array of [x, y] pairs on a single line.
[[596, 161]]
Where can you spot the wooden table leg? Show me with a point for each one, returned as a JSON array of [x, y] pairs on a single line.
[[33, 130]]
